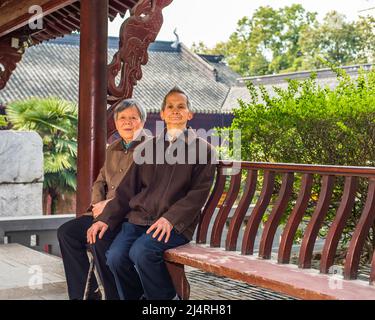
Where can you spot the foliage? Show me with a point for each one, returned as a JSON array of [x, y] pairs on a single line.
[[291, 39], [307, 123], [56, 122], [3, 121], [326, 40]]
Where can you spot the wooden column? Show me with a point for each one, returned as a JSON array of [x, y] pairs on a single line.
[[9, 57], [92, 98]]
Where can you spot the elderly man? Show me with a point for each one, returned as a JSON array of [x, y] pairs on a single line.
[[162, 201], [129, 118]]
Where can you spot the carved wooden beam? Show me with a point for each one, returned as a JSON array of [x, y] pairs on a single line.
[[136, 34], [9, 57], [15, 14]]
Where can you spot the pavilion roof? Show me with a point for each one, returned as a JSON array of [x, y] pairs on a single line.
[[52, 69], [62, 19]]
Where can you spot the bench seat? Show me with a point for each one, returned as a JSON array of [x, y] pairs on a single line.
[[284, 278], [268, 204]]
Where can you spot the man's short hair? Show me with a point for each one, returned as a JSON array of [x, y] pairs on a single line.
[[128, 103], [176, 89]]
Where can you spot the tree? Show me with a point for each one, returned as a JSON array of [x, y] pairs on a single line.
[[338, 41], [289, 39], [366, 27], [56, 122], [200, 47], [268, 42]]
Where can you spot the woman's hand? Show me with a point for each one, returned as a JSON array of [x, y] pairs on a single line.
[[98, 208]]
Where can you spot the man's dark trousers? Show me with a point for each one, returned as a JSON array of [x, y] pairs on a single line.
[[73, 245], [136, 260]]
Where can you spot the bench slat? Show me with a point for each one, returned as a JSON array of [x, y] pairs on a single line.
[[360, 233], [210, 207], [240, 213], [277, 212], [287, 279], [258, 212], [312, 229], [372, 274], [366, 172], [299, 281], [222, 216], [337, 227], [295, 219]]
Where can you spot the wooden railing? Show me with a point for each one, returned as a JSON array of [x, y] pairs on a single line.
[[277, 197]]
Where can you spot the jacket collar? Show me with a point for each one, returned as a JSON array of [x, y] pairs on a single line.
[[142, 136], [188, 135]]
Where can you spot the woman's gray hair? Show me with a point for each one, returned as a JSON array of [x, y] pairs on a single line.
[[128, 103]]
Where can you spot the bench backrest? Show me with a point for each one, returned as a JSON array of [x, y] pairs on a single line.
[[327, 176]]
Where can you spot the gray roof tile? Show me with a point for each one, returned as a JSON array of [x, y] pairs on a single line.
[[52, 69]]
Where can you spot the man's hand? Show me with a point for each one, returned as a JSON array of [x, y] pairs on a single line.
[[97, 208], [163, 227], [100, 227]]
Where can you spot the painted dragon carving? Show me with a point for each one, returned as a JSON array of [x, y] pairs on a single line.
[[9, 57], [136, 34]]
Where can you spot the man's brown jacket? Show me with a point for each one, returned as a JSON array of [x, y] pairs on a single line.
[[176, 192]]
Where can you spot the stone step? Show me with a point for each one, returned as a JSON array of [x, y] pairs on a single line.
[[49, 291], [29, 274]]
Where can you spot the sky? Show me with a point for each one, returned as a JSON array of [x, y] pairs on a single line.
[[212, 21]]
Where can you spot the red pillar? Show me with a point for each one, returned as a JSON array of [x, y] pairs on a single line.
[[92, 120]]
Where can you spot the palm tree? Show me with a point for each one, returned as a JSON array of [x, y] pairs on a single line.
[[56, 122], [3, 122]]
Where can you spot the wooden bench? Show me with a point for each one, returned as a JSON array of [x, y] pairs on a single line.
[[300, 281]]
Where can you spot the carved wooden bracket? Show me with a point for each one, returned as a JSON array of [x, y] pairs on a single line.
[[9, 57], [136, 34]]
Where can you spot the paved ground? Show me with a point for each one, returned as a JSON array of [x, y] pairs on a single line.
[[29, 274], [32, 275], [205, 286]]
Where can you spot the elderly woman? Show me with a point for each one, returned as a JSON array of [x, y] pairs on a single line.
[[129, 118]]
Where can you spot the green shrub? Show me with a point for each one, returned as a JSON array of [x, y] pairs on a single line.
[[311, 124], [306, 123], [3, 122]]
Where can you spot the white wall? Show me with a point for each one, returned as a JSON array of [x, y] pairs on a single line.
[[21, 173]]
